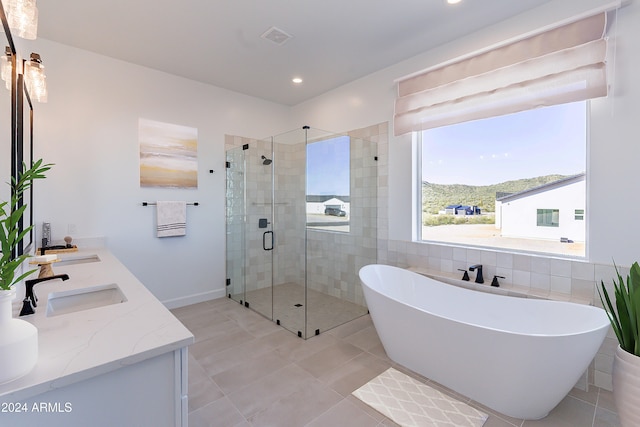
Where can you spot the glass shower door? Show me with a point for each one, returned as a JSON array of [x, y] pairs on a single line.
[[259, 235], [235, 224], [249, 230]]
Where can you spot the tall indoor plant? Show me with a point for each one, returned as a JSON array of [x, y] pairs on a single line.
[[18, 338], [624, 314]]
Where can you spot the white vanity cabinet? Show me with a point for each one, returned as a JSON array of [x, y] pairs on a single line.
[[148, 393], [123, 364]]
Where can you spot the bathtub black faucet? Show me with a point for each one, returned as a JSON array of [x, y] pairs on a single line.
[[479, 278]]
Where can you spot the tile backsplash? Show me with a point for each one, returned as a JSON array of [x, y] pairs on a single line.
[[535, 275]]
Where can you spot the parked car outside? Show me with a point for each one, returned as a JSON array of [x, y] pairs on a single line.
[[334, 212]]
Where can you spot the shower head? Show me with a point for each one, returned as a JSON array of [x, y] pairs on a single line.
[[266, 161]]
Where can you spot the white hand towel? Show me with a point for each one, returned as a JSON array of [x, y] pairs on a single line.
[[172, 218]]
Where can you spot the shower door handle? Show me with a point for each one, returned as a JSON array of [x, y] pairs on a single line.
[[264, 240]]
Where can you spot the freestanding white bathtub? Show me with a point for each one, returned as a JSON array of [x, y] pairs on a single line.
[[517, 356]]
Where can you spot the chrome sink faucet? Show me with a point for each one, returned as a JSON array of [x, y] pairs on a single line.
[[30, 299], [479, 278]]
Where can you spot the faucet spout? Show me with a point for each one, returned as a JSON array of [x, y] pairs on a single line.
[[30, 299], [479, 278]]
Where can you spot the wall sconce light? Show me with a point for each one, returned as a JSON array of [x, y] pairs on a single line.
[[6, 68], [35, 79], [22, 16]]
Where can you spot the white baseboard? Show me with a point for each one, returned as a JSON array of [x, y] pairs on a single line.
[[194, 299]]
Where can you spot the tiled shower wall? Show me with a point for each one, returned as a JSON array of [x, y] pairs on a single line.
[[290, 212], [335, 258]]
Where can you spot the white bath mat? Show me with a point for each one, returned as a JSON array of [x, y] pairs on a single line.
[[411, 403]]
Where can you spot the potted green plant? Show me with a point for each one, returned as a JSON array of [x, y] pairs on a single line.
[[18, 338], [624, 315], [10, 233]]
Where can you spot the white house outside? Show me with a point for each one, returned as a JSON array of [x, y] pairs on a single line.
[[552, 211], [318, 204]]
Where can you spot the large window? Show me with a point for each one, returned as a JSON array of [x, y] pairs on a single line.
[[488, 182]]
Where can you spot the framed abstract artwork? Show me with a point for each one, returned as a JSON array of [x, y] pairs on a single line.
[[168, 155]]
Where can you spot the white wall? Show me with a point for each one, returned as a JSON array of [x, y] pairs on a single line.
[[89, 129], [613, 153], [612, 177]]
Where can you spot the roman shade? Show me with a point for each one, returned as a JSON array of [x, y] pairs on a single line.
[[565, 64]]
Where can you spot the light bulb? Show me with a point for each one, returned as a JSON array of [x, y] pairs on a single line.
[[35, 79]]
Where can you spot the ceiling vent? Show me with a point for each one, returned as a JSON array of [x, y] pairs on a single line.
[[276, 35]]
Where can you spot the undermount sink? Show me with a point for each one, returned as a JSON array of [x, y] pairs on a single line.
[[64, 302], [82, 259]]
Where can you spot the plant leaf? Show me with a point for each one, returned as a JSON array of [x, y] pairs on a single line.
[[634, 297], [613, 318], [10, 215]]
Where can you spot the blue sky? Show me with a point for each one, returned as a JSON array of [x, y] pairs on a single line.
[[522, 145], [328, 167]]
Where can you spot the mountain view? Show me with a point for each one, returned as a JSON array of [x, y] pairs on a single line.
[[435, 197]]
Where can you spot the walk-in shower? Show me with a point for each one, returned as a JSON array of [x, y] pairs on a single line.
[[301, 222]]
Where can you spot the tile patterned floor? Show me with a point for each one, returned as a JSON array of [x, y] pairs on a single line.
[[287, 301], [244, 370]]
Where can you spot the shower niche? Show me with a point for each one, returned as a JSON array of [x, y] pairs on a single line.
[[301, 220]]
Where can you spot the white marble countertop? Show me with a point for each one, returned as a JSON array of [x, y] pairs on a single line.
[[83, 344]]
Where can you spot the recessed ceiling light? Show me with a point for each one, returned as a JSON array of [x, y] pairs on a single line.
[[453, 1], [296, 80]]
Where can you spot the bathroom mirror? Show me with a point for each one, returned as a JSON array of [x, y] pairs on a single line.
[[6, 151], [25, 155], [9, 116]]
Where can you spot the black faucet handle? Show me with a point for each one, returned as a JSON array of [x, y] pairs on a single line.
[[465, 276], [27, 308], [494, 282]]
